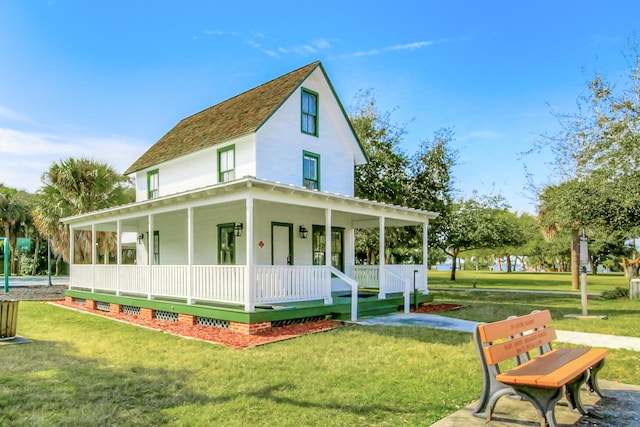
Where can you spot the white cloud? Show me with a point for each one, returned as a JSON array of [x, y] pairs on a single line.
[[8, 114], [399, 47], [27, 155]]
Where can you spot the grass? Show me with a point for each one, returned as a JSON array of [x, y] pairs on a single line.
[[596, 283], [88, 370]]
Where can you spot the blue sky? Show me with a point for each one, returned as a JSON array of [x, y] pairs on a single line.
[[106, 79]]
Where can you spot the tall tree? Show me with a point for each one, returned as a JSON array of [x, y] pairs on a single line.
[[475, 224], [597, 154], [72, 187]]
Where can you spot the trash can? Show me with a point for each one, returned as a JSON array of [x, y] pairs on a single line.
[[8, 319], [634, 288]]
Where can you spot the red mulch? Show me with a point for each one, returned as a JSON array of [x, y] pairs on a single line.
[[225, 336], [432, 308]]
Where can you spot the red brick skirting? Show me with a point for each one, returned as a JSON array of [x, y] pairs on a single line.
[[249, 329], [90, 304], [186, 319], [115, 308], [147, 313]]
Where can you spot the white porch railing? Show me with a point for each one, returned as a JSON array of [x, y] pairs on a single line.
[[226, 283], [369, 275], [283, 283]]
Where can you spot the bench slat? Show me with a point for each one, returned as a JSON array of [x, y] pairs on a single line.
[[509, 327], [499, 352], [554, 369]]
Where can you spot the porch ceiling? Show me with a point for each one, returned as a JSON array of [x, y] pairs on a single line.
[[364, 213]]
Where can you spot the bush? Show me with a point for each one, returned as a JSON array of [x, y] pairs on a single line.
[[616, 293]]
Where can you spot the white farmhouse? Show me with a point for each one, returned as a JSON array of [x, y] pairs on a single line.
[[234, 209]]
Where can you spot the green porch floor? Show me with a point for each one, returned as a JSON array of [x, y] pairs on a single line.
[[368, 305]]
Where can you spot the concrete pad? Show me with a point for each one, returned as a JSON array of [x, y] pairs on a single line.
[[15, 340], [420, 319], [617, 409]]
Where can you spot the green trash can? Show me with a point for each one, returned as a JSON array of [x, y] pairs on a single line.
[[8, 319]]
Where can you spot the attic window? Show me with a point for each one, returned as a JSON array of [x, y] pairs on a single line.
[[153, 184], [309, 112]]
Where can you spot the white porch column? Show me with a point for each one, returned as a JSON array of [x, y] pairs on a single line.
[[94, 249], [425, 255], [72, 258], [118, 255], [150, 259], [381, 275], [250, 277], [189, 254], [327, 246], [350, 251]]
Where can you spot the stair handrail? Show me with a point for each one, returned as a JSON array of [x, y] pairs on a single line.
[[354, 290], [407, 287]]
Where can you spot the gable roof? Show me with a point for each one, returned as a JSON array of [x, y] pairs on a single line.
[[237, 116]]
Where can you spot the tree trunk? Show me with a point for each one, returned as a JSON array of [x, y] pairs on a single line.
[[34, 270], [454, 262], [509, 269], [575, 259]]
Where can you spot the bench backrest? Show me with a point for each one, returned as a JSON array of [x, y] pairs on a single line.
[[522, 334]]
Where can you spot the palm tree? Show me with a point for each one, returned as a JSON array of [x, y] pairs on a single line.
[[72, 187], [14, 213]]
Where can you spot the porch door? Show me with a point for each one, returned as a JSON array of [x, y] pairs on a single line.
[[282, 243], [226, 244]]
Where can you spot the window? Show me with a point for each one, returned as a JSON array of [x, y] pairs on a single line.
[[310, 170], [227, 164], [337, 246], [226, 244], [309, 112], [153, 184]]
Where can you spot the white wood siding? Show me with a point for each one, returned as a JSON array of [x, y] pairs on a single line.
[[197, 170], [280, 142]]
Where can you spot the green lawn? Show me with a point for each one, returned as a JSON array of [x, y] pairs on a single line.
[[88, 370], [596, 283]]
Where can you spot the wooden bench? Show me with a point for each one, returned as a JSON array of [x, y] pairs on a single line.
[[538, 374]]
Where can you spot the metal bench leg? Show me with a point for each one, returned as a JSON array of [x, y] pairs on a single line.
[[543, 400], [592, 382], [572, 393]]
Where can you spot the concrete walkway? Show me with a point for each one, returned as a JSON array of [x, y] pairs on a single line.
[[442, 322]]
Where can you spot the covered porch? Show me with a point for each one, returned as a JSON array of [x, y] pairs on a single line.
[[247, 243]]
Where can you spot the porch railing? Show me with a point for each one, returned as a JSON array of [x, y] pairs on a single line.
[[276, 283], [369, 275]]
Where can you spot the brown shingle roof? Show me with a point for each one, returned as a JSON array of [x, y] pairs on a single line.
[[237, 116]]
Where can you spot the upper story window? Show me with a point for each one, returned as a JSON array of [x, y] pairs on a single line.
[[153, 184], [309, 112], [227, 164], [310, 170]]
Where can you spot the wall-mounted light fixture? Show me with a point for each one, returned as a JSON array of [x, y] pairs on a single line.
[[238, 228], [140, 238], [303, 232]]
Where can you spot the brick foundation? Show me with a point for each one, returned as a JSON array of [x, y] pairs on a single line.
[[90, 304], [68, 299], [147, 313], [115, 308], [249, 328], [186, 319]]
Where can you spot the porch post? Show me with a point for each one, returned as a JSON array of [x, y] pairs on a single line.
[[250, 277], [94, 248], [189, 254], [72, 258], [118, 255], [327, 247], [381, 275], [150, 256], [425, 255]]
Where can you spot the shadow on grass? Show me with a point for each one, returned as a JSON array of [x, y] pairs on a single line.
[[43, 383]]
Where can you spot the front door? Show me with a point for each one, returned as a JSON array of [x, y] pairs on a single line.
[[282, 243]]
